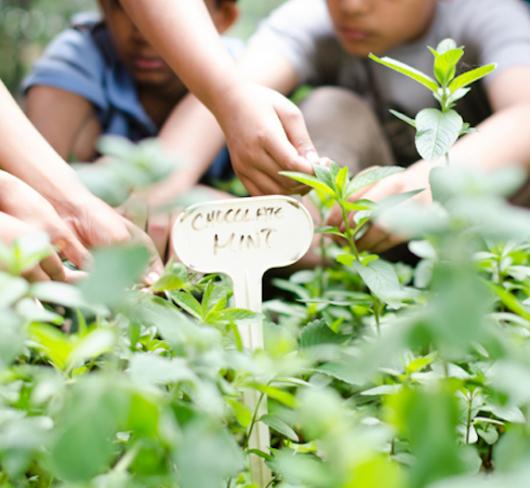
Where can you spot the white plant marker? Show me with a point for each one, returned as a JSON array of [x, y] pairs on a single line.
[[243, 238]]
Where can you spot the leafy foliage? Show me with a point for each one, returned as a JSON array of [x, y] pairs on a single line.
[[438, 130], [375, 373]]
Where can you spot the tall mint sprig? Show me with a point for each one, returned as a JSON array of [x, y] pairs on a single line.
[[437, 130]]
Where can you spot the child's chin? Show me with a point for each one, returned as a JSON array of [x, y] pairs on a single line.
[[151, 78], [356, 50]]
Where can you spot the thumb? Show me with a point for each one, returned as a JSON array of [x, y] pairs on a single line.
[[295, 128]]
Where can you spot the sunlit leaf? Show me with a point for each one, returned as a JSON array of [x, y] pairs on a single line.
[[406, 70]]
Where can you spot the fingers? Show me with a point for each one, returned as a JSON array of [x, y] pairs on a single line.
[[373, 238], [158, 228], [53, 267], [35, 275], [171, 255], [72, 249], [378, 240], [155, 267], [73, 276], [295, 128], [260, 175]]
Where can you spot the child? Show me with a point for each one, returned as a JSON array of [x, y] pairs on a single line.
[[103, 78], [326, 44]]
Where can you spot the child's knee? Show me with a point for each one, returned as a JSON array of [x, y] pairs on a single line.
[[343, 125]]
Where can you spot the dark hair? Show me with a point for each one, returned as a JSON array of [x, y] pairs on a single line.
[[219, 2]]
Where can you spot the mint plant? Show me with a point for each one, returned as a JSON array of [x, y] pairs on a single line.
[[439, 129], [370, 381], [335, 187]]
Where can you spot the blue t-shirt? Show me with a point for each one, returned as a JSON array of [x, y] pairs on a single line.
[[82, 60]]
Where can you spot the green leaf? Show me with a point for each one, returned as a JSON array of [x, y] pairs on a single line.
[[150, 369], [327, 174], [358, 205], [242, 413], [406, 70], [318, 333], [458, 95], [12, 289], [445, 46], [277, 424], [382, 280], [437, 132], [211, 456], [370, 176], [310, 181], [55, 345], [83, 444], [445, 65], [300, 469], [330, 230], [12, 337], [346, 258], [115, 269], [383, 390], [60, 294], [341, 180], [472, 76], [277, 394], [510, 301], [93, 345], [235, 314], [169, 282], [404, 118]]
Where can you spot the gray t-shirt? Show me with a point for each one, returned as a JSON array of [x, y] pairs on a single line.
[[492, 31]]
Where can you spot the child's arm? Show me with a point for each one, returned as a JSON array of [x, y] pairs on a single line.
[[265, 132], [26, 154], [193, 137], [66, 120], [50, 268], [192, 133]]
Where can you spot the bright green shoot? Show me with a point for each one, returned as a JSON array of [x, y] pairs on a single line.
[[437, 130], [334, 185]]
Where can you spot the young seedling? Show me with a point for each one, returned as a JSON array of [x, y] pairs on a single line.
[[437, 130], [335, 187]]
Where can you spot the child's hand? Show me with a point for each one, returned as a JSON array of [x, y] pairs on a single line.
[[50, 268], [377, 239], [22, 202], [266, 134], [98, 225]]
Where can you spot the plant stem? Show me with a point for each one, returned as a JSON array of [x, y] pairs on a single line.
[[254, 420], [349, 234], [468, 420]]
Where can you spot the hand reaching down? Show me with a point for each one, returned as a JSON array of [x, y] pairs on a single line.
[[266, 134]]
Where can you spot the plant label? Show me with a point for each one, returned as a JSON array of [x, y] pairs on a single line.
[[243, 238]]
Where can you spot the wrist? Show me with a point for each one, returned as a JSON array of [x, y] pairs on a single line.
[[227, 98]]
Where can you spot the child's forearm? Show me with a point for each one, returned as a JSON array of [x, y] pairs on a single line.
[[499, 141], [193, 138], [204, 65], [25, 154]]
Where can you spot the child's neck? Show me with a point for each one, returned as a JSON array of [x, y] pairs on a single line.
[[159, 104]]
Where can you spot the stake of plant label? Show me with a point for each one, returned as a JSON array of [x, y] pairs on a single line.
[[243, 238]]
